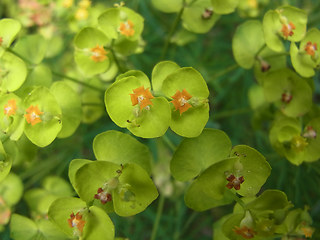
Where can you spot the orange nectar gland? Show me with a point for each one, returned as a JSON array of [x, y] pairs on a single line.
[[142, 97], [234, 182], [1, 40], [311, 48], [126, 28], [98, 54], [10, 108], [33, 115], [245, 232], [287, 29], [180, 101], [75, 221]]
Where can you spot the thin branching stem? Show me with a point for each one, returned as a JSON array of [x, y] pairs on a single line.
[[172, 30], [158, 217]]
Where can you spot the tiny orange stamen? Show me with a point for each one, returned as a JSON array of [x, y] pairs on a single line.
[[1, 41], [245, 232], [33, 115], [126, 28], [311, 48], [98, 54], [234, 182], [307, 231], [141, 96], [287, 29], [76, 221], [10, 108], [180, 101]]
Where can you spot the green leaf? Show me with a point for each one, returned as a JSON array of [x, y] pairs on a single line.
[[283, 130], [57, 186], [40, 75], [193, 20], [136, 191], [185, 78], [229, 224], [302, 62], [141, 76], [247, 41], [160, 72], [224, 6], [109, 146], [255, 169], [74, 166], [22, 228], [118, 101], [99, 172], [12, 124], [5, 163], [167, 6], [9, 28], [191, 122], [273, 22], [217, 228], [61, 209], [85, 42], [11, 189], [158, 115], [312, 152], [269, 58], [13, 72], [70, 104], [50, 231], [44, 132], [32, 47], [99, 225], [214, 145], [39, 200], [286, 81], [269, 200], [209, 189], [110, 21]]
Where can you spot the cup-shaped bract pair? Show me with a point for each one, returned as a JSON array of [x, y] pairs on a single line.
[[296, 145], [9, 28], [307, 57], [90, 53], [50, 113], [124, 26], [288, 91], [284, 23], [130, 103], [262, 218], [219, 171], [188, 92], [73, 217], [119, 179]]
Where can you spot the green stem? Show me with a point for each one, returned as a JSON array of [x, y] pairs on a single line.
[[187, 225], [77, 81], [116, 60], [231, 113], [237, 199], [261, 49], [169, 143], [172, 30], [225, 71], [158, 217], [20, 56]]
